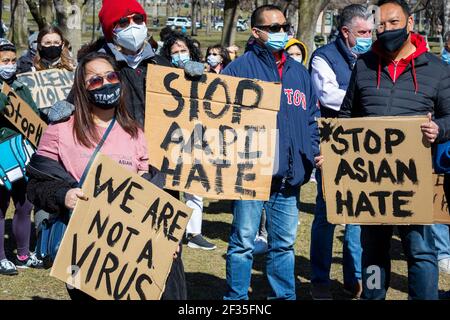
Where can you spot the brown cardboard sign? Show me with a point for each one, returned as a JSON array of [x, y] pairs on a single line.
[[214, 136], [23, 117], [377, 170], [119, 244], [440, 205], [48, 86]]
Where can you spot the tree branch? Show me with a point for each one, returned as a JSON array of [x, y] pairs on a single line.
[[34, 9]]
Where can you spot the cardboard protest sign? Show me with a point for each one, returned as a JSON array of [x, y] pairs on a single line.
[[48, 86], [214, 136], [440, 205], [376, 171], [23, 117], [120, 243]]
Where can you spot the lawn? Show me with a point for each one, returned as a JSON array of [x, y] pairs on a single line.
[[205, 270]]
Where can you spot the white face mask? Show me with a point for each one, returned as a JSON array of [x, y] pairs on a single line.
[[132, 37], [7, 71], [299, 59], [213, 60]]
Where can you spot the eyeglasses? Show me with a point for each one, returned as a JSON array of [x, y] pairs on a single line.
[[97, 81], [273, 28], [125, 21]]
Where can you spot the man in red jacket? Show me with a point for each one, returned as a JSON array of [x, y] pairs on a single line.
[[400, 78]]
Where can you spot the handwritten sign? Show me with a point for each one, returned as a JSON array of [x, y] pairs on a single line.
[[23, 117], [377, 171], [214, 136], [48, 86], [120, 243]]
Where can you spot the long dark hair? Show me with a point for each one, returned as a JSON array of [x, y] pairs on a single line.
[[175, 37], [66, 59], [84, 128], [223, 53]]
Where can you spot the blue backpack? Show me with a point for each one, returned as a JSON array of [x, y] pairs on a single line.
[[16, 153]]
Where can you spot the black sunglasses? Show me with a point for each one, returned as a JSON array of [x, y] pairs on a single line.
[[125, 21], [275, 27]]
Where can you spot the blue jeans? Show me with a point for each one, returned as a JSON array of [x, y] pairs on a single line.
[[420, 251], [321, 252], [441, 240], [282, 217]]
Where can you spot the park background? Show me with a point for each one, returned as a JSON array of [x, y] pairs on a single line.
[[313, 21]]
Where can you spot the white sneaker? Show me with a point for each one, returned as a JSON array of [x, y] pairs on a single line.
[[260, 245], [7, 268], [444, 265]]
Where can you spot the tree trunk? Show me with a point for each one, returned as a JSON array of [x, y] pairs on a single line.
[[446, 21], [200, 5], [36, 13], [19, 26], [308, 13], [68, 17], [2, 32], [194, 5], [46, 11], [230, 16], [208, 15]]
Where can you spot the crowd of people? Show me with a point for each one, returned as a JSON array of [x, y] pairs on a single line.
[[351, 76]]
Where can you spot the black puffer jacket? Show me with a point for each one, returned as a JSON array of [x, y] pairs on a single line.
[[135, 81], [48, 184], [424, 86]]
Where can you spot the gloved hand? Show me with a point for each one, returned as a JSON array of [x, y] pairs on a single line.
[[3, 102], [194, 69], [60, 110]]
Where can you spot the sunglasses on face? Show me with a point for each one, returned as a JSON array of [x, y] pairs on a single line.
[[273, 28], [97, 81], [125, 21]]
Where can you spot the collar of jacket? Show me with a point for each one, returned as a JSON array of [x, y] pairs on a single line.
[[13, 83], [147, 53], [268, 58], [345, 51]]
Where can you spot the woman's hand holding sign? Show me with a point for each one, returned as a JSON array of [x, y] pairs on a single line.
[[430, 129], [72, 197]]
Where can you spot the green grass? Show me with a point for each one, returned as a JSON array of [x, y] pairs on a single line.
[[205, 270]]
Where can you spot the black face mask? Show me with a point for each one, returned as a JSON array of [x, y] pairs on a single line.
[[393, 40], [106, 97], [50, 53]]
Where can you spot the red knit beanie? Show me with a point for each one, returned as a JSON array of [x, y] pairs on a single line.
[[113, 10]]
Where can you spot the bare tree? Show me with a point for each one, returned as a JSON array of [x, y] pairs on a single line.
[[230, 16], [308, 13], [194, 11], [19, 26], [42, 11], [208, 17]]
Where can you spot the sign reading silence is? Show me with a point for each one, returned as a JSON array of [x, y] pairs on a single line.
[[48, 86], [120, 243], [214, 136], [377, 171]]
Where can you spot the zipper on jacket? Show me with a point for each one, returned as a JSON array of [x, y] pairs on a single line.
[[395, 70]]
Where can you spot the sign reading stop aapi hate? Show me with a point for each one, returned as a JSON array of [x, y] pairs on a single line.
[[377, 170], [23, 117], [214, 136], [119, 244], [48, 86]]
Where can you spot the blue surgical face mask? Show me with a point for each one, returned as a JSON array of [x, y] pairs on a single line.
[[7, 71], [362, 45], [445, 56], [180, 59], [277, 41]]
